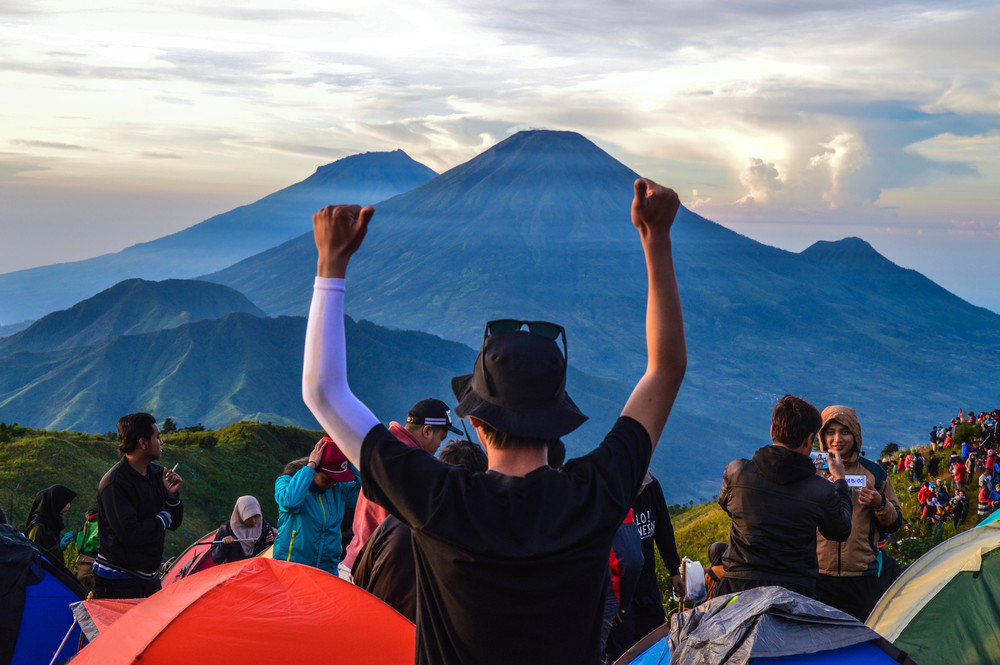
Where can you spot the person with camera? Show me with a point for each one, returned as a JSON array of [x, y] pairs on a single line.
[[848, 570], [777, 501]]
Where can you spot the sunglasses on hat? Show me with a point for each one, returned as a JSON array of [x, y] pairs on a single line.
[[544, 329]]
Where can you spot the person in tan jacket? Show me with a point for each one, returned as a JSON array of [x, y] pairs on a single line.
[[848, 571]]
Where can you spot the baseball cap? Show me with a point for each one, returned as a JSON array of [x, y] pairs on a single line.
[[432, 412], [334, 462]]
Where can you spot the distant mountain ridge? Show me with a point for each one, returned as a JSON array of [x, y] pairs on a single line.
[[239, 367], [127, 308], [216, 242], [538, 227]]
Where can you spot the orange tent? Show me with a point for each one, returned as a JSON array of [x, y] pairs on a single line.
[[256, 611]]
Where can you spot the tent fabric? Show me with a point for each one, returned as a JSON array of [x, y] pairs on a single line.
[[35, 595], [877, 652], [943, 607], [767, 625], [762, 622], [192, 560], [95, 615], [256, 610], [993, 517]]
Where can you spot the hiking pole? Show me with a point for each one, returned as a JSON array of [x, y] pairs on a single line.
[[235, 540], [63, 643]]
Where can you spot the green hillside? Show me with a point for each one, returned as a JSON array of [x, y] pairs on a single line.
[[217, 466]]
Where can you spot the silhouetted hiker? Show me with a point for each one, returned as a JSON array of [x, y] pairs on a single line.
[[385, 566], [311, 495], [777, 502], [45, 523], [848, 570], [427, 425], [137, 501], [246, 534], [511, 564]]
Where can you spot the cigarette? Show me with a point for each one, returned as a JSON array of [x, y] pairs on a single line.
[[175, 468]]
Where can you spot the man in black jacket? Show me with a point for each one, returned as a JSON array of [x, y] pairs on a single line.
[[137, 502], [777, 501]]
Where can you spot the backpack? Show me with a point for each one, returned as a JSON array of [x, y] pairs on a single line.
[[87, 541]]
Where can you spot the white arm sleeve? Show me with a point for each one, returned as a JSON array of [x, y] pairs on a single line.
[[324, 372]]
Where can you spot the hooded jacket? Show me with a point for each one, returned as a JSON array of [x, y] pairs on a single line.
[[777, 502], [309, 518], [858, 554]]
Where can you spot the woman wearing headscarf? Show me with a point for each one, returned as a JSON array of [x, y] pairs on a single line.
[[45, 522], [246, 534]]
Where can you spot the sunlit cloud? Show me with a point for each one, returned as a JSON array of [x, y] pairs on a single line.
[[778, 114]]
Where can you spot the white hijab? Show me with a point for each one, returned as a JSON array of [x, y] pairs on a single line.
[[246, 507]]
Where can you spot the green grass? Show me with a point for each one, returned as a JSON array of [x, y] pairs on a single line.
[[218, 466]]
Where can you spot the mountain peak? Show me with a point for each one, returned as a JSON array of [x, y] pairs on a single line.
[[849, 250], [374, 159], [129, 307]]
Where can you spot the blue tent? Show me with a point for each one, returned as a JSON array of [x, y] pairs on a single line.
[[765, 626], [37, 592]]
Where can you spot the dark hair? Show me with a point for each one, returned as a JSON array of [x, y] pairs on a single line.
[[794, 419], [503, 441], [462, 452], [133, 427]]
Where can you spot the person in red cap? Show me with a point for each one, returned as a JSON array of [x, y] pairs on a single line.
[[511, 564], [311, 495]]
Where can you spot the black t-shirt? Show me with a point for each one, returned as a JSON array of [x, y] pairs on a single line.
[[509, 569], [653, 521]]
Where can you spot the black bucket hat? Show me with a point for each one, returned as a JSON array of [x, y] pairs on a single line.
[[518, 387]]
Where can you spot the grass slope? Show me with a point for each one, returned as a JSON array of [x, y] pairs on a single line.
[[217, 466]]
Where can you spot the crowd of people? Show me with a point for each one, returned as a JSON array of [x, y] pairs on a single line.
[[504, 551], [942, 472]]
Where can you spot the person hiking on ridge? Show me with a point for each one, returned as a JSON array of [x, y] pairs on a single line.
[[311, 495], [511, 563], [848, 570]]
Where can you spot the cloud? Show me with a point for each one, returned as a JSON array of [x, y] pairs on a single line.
[[161, 155], [973, 228], [48, 145], [842, 157], [13, 165], [761, 179]]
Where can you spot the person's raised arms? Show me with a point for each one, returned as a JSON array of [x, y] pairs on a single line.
[[653, 211], [339, 232]]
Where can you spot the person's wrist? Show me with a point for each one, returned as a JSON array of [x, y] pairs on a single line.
[[313, 463], [335, 267]]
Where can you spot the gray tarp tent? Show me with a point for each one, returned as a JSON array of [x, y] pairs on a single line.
[[769, 622]]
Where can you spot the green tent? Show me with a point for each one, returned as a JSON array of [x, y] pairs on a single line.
[[945, 608]]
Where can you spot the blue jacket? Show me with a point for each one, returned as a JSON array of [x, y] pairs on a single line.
[[309, 519]]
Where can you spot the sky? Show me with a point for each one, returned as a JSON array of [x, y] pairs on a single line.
[[787, 121]]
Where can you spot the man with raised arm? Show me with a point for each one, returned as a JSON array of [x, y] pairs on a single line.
[[511, 563]]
